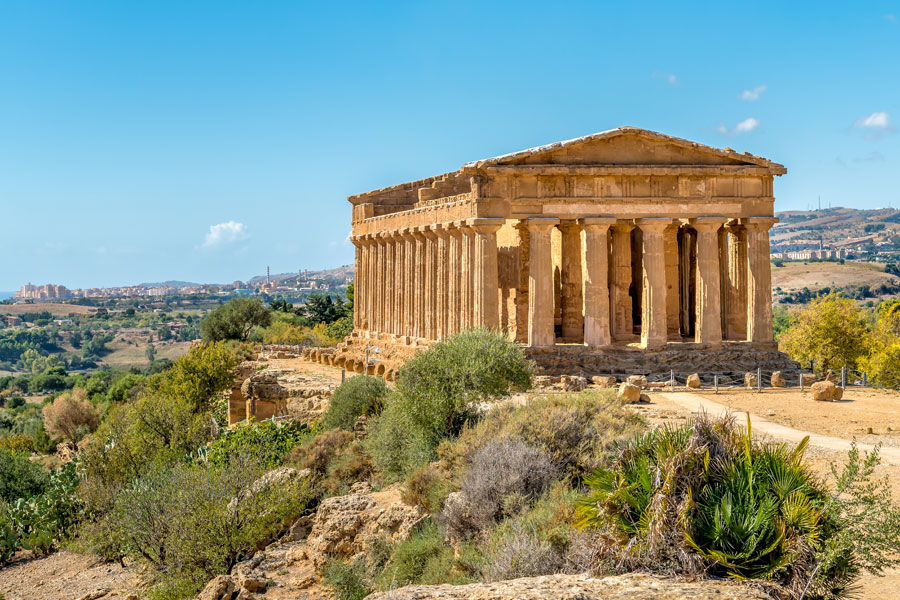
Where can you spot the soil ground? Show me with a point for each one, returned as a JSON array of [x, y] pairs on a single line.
[[54, 308], [123, 354], [65, 576], [815, 275]]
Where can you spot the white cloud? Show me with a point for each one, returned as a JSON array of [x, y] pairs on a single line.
[[746, 126], [877, 120], [667, 77], [751, 95], [225, 233]]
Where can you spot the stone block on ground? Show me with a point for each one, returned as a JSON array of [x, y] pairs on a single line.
[[778, 380], [629, 392], [644, 399], [807, 379], [604, 381], [693, 380], [573, 383], [750, 380], [638, 380], [824, 391], [220, 588]]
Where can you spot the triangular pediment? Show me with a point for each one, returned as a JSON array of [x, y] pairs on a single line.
[[629, 146]]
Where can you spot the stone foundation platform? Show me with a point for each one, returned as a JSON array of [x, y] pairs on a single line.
[[731, 359]]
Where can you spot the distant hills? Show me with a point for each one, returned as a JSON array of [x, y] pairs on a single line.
[[835, 224], [173, 284], [340, 275]]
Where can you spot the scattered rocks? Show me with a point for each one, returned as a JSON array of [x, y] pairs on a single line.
[[604, 381], [638, 380], [826, 391], [693, 380], [807, 379], [220, 588], [644, 399], [778, 380], [750, 380], [573, 383], [629, 392]]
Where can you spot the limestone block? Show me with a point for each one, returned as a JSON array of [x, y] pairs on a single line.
[[604, 381], [778, 380], [838, 393], [807, 379], [573, 383], [750, 380], [644, 399], [823, 391], [220, 588], [629, 392], [693, 380], [638, 380]]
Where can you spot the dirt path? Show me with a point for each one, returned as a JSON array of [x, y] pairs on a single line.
[[695, 402], [66, 576]]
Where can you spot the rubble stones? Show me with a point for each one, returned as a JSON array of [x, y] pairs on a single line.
[[750, 380], [693, 380], [778, 380], [629, 392], [825, 391], [638, 380], [604, 381]]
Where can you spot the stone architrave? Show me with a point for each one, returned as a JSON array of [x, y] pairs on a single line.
[[621, 298], [653, 305], [759, 279], [453, 281], [440, 284], [571, 276], [540, 283], [708, 328], [486, 305], [596, 284]]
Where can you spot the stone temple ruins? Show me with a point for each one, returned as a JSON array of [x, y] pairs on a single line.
[[617, 252]]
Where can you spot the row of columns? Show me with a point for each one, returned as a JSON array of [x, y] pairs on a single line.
[[429, 281], [603, 309]]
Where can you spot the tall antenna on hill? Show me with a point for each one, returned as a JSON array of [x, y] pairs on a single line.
[[820, 202]]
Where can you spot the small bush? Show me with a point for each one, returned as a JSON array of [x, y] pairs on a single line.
[[423, 558], [268, 441], [71, 416], [20, 477], [502, 479], [440, 391], [428, 488], [318, 452], [358, 396], [347, 581]]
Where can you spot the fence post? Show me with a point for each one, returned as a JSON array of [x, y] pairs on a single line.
[[672, 379], [800, 375], [758, 379], [865, 379], [844, 377], [343, 373], [716, 382]]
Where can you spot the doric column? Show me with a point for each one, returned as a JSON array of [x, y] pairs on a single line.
[[453, 278], [409, 260], [540, 283], [358, 279], [623, 322], [419, 302], [596, 285], [399, 268], [736, 283], [379, 284], [441, 270], [430, 280], [654, 321], [372, 252], [390, 297], [522, 282], [673, 295], [486, 286], [759, 279], [708, 328], [465, 305], [572, 299]]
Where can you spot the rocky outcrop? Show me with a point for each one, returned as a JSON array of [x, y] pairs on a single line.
[[348, 525], [567, 587]]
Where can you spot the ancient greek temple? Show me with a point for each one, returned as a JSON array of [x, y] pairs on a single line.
[[625, 239]]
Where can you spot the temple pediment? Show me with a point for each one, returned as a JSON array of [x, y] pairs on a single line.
[[628, 147]]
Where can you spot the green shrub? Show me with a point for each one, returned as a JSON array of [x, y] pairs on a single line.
[[192, 522], [423, 558], [20, 477], [707, 498], [347, 581], [358, 396], [268, 441], [427, 487], [335, 458], [441, 390], [576, 430], [235, 319]]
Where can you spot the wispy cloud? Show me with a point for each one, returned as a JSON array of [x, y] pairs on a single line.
[[875, 125], [746, 126], [871, 157], [667, 77], [754, 94], [890, 17], [224, 234]]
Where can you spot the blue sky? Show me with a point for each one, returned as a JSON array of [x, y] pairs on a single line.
[[203, 141]]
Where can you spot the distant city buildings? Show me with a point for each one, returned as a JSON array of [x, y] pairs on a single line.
[[43, 292]]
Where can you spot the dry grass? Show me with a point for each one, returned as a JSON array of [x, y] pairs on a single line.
[[816, 275], [124, 355], [54, 308]]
